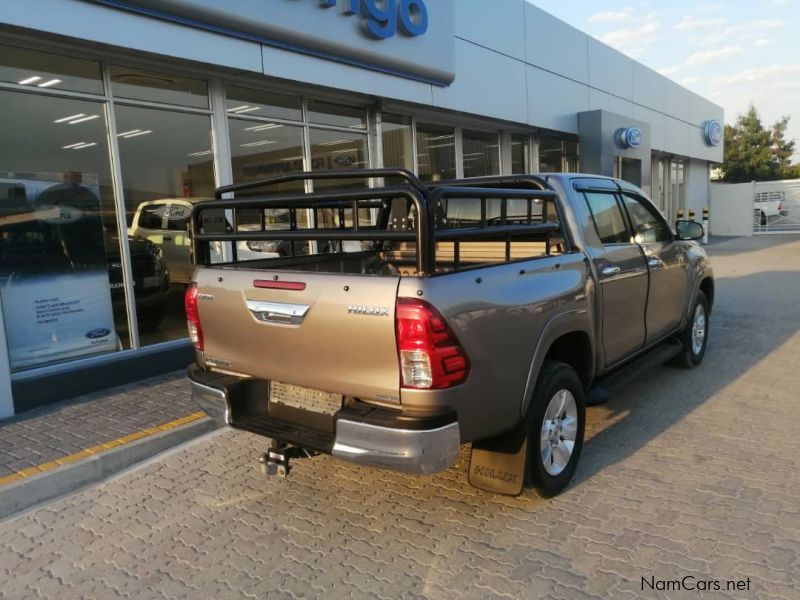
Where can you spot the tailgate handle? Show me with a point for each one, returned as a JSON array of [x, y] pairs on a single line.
[[278, 312]]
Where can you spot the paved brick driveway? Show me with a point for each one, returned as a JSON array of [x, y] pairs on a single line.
[[686, 473]]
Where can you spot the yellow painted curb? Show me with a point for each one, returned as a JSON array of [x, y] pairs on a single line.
[[99, 449]]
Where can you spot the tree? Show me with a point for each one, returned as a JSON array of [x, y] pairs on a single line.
[[755, 153]]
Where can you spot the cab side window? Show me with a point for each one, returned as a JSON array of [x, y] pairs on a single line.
[[152, 216], [648, 225], [607, 216]]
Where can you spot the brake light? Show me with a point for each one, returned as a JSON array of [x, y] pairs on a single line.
[[193, 317], [430, 355]]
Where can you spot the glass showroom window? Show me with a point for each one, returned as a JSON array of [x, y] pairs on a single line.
[[398, 148], [60, 269], [167, 166], [551, 155], [520, 154], [436, 152], [481, 153]]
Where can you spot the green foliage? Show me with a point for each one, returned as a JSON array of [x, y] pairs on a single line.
[[755, 153]]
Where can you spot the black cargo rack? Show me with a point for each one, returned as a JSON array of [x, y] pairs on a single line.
[[425, 198]]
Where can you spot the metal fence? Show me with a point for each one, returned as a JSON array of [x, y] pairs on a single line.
[[776, 207]]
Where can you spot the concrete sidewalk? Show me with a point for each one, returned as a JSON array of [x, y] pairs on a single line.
[[50, 451]]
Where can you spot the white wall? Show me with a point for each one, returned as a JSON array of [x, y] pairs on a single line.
[[732, 208]]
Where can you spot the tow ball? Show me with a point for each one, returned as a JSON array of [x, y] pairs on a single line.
[[277, 460]]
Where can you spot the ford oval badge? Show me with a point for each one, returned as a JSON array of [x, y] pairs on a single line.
[[712, 131], [96, 334], [630, 137]]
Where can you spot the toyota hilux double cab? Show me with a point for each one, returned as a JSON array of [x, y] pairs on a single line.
[[414, 318]]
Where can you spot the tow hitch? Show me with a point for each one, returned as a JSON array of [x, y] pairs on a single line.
[[277, 460]]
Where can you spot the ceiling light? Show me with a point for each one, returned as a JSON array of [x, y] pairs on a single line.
[[137, 134], [49, 83], [292, 158], [80, 146], [73, 145], [238, 109], [29, 80], [126, 133], [78, 116], [83, 119], [335, 143], [202, 153], [261, 143], [344, 151], [263, 127], [247, 110]]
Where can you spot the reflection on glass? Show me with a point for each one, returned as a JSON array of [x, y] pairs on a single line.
[[244, 101], [49, 71], [127, 82], [167, 166], [261, 150], [481, 153], [331, 150], [571, 156], [398, 148], [60, 272], [327, 113], [436, 152], [551, 153], [520, 154]]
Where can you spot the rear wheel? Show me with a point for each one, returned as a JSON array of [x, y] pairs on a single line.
[[694, 336], [557, 420]]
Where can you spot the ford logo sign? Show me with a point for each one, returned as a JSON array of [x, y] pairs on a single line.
[[96, 334], [344, 160], [630, 137], [712, 131]]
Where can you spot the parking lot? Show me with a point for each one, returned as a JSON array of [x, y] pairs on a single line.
[[684, 474]]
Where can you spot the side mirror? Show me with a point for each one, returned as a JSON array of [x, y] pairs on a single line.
[[689, 230]]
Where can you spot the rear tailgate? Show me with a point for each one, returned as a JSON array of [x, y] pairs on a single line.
[[337, 334]]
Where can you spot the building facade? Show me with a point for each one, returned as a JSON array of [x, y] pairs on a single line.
[[120, 114]]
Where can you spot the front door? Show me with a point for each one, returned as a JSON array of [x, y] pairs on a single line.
[[623, 276], [666, 261]]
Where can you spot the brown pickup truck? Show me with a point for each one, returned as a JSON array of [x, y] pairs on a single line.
[[413, 318]]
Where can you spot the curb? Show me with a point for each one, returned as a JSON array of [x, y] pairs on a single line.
[[36, 489]]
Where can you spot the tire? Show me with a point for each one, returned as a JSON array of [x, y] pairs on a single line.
[[557, 382], [694, 348]]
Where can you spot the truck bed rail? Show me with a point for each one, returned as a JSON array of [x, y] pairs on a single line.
[[410, 212]]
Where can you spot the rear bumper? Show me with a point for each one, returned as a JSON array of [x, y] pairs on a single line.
[[361, 434]]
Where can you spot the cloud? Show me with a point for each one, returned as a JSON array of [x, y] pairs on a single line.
[[630, 38], [691, 23], [710, 56], [709, 8], [766, 24], [763, 42], [761, 74], [667, 71], [626, 14]]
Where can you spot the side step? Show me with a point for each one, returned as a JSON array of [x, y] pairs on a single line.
[[627, 373]]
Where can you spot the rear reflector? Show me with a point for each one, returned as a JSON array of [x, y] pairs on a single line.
[[193, 317], [431, 356], [297, 286]]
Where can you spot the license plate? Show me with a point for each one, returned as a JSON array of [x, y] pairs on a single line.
[[296, 396]]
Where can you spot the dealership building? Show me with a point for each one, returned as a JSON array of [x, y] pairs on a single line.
[[118, 115]]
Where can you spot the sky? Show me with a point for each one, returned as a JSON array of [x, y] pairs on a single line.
[[734, 53]]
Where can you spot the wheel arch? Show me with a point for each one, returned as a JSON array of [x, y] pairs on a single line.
[[567, 338]]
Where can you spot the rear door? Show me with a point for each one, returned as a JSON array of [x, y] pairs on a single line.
[[333, 333], [622, 273], [666, 261]]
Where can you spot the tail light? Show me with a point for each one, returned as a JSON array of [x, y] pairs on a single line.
[[430, 355], [193, 317]]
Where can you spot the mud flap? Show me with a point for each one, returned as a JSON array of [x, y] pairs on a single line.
[[497, 465]]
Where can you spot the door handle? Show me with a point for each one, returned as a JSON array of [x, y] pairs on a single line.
[[608, 271], [655, 262]]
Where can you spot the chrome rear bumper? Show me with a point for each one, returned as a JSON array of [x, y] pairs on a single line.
[[425, 445]]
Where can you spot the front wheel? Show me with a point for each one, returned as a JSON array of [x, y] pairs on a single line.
[[557, 419], [694, 337]]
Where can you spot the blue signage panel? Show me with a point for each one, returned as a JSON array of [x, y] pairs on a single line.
[[413, 39], [630, 137]]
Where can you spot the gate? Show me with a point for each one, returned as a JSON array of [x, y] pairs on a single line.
[[776, 206]]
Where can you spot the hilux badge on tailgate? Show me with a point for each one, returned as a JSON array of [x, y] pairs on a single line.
[[375, 311]]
